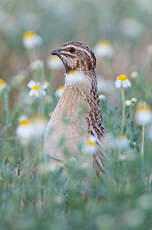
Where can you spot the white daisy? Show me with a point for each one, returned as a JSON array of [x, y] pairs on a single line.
[[38, 64], [75, 77], [24, 130], [128, 103], [134, 75], [59, 91], [122, 81], [131, 28], [39, 123], [103, 85], [133, 100], [122, 141], [102, 97], [30, 128], [2, 84], [31, 40], [104, 49], [36, 88], [54, 62], [90, 145], [143, 114], [19, 78]]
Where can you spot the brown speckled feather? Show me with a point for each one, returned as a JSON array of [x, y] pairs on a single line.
[[76, 56]]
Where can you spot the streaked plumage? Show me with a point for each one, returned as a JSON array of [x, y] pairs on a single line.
[[76, 56]]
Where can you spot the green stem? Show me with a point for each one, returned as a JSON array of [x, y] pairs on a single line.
[[6, 106], [123, 107], [143, 140]]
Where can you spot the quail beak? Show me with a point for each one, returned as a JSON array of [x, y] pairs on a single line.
[[57, 52]]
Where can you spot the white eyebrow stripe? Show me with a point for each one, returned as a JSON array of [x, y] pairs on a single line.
[[80, 48]]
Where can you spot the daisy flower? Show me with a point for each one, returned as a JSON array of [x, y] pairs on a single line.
[[143, 114], [122, 81], [131, 28], [134, 75], [24, 130], [128, 103], [133, 100], [19, 78], [30, 128], [2, 84], [54, 62], [38, 64], [102, 97], [39, 123], [103, 85], [31, 40], [75, 77], [122, 141], [36, 89], [59, 91], [90, 145], [104, 49]]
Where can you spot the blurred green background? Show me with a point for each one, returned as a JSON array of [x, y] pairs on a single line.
[[82, 20]]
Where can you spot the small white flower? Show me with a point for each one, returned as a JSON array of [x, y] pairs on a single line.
[[59, 91], [31, 40], [102, 97], [2, 84], [122, 81], [104, 49], [143, 114], [90, 145], [133, 100], [131, 28], [36, 89], [24, 130], [103, 85], [30, 128], [39, 123], [75, 77], [122, 141], [19, 78], [128, 103], [134, 75], [54, 62], [38, 64]]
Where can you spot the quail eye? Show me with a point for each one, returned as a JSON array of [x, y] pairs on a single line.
[[72, 50]]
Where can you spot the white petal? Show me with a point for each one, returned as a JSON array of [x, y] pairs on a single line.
[[31, 93], [118, 83], [31, 84]]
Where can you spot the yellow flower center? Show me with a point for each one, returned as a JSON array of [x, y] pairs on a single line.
[[2, 83], [24, 122], [122, 77], [61, 87], [28, 35], [143, 108], [36, 88], [90, 143], [104, 43]]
